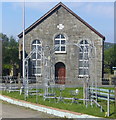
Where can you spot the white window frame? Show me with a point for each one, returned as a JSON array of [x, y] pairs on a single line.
[[60, 44], [37, 59], [84, 60]]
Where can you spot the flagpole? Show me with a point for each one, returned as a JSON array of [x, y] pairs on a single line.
[[24, 43]]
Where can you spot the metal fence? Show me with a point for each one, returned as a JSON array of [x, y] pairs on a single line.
[[68, 82], [32, 86], [103, 94]]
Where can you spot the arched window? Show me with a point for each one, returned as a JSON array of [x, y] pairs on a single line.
[[36, 57], [83, 58], [59, 43]]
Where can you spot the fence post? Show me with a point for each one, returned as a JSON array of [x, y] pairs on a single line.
[[108, 103], [114, 83]]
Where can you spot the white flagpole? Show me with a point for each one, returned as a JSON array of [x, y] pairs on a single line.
[[24, 43]]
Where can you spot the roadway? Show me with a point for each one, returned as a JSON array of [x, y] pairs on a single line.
[[12, 111]]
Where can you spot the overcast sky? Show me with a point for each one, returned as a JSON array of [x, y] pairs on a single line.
[[99, 15]]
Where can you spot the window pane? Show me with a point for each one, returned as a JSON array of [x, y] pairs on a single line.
[[38, 42], [38, 63], [86, 72], [57, 48], [83, 64], [34, 56], [57, 42], [86, 48], [86, 42], [39, 47], [80, 56], [81, 42], [86, 63], [58, 36], [33, 63], [86, 56], [62, 41], [81, 72], [33, 71], [34, 42], [38, 70], [62, 36], [83, 56], [80, 63], [38, 56], [33, 47], [62, 48], [81, 49]]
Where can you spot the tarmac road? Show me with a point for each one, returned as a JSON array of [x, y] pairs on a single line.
[[12, 111]]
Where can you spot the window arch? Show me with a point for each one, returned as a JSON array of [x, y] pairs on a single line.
[[83, 58], [59, 43], [36, 57]]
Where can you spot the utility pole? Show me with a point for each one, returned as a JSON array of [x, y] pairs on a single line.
[[24, 48], [23, 41]]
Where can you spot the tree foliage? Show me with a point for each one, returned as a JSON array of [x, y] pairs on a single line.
[[109, 59], [10, 52]]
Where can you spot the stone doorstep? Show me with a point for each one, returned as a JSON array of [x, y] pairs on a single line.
[[48, 108]]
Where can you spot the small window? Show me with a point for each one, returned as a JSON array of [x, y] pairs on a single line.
[[59, 43]]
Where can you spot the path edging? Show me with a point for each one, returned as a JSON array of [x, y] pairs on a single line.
[[45, 109]]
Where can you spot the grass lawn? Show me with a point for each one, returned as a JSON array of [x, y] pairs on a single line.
[[66, 104]]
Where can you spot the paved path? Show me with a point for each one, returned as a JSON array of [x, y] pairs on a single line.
[[13, 111]]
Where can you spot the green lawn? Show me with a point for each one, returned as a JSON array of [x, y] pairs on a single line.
[[66, 104]]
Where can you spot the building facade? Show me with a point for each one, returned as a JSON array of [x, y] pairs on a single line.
[[78, 47]]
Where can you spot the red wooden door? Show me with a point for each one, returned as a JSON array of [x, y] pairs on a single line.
[[61, 75]]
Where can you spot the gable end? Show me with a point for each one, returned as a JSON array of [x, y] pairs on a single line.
[[51, 12]]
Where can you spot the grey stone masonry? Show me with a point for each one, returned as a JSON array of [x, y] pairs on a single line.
[[75, 31]]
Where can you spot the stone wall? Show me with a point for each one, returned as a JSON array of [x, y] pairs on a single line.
[[75, 31]]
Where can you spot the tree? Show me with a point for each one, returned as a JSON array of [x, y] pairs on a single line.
[[109, 59], [10, 52]]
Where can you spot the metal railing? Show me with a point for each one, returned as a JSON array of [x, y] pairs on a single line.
[[103, 94]]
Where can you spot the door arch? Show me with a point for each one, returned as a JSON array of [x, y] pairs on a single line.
[[60, 73]]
